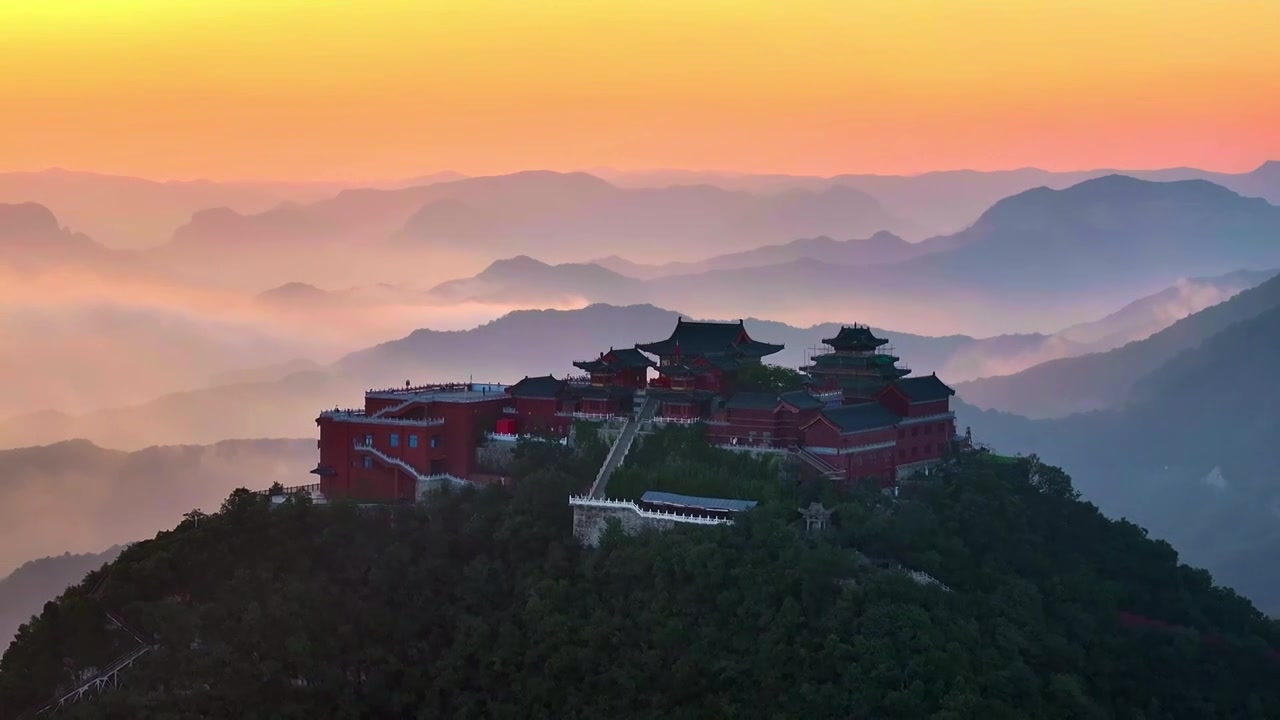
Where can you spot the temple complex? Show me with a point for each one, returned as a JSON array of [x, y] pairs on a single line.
[[860, 417]]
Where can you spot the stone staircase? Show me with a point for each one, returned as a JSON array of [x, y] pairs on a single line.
[[622, 446], [421, 478], [109, 677], [817, 463], [392, 409]]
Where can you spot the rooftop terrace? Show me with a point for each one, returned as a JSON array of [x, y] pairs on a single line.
[[448, 392]]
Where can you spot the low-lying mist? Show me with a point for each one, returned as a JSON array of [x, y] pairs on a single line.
[[75, 341], [76, 497]]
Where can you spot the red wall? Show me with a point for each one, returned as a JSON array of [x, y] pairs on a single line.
[[454, 452], [930, 408], [924, 441], [741, 423], [539, 415], [465, 422], [373, 405]]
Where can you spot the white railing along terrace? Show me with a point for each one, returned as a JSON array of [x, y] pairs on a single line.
[[592, 416], [663, 420], [583, 501], [436, 388], [362, 418], [511, 437], [416, 474], [452, 393]]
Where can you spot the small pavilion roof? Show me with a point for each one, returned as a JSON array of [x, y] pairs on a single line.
[[542, 386], [615, 360], [857, 336]]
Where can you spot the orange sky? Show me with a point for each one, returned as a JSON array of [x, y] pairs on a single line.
[[372, 89]]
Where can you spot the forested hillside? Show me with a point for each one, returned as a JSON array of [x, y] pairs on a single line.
[[1189, 457], [26, 589], [481, 604]]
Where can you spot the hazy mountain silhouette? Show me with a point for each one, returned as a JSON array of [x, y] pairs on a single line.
[[130, 212], [1189, 455], [1148, 315], [880, 248], [36, 582], [949, 200], [523, 280], [577, 214], [1106, 380], [33, 241], [77, 497], [528, 342], [273, 401], [1037, 260]]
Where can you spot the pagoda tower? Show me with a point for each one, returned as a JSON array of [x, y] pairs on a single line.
[[858, 364]]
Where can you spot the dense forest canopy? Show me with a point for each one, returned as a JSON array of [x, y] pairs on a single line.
[[480, 604], [764, 377]]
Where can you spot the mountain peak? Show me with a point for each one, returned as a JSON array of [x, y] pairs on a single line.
[[27, 219]]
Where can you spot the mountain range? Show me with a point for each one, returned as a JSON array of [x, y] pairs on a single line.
[[571, 214], [134, 213], [881, 248], [130, 212], [948, 200], [1185, 449], [282, 399], [1106, 380], [1036, 261], [78, 497], [25, 591]]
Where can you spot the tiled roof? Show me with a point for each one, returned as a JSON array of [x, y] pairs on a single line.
[[752, 401], [925, 388], [543, 386], [678, 371], [856, 336], [798, 399], [709, 338], [801, 400], [629, 358], [591, 391], [697, 503], [615, 360], [861, 417]]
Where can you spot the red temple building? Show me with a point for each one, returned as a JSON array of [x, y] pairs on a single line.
[[861, 417]]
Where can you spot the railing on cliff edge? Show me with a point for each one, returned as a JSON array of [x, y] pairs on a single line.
[[108, 678]]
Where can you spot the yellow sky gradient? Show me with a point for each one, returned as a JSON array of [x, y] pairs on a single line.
[[375, 89]]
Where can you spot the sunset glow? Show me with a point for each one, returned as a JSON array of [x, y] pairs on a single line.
[[328, 89]]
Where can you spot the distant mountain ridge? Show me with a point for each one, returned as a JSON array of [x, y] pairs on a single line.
[[102, 497], [946, 201], [880, 248], [1106, 380], [277, 402], [25, 591], [1036, 261], [577, 212], [1188, 453]]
